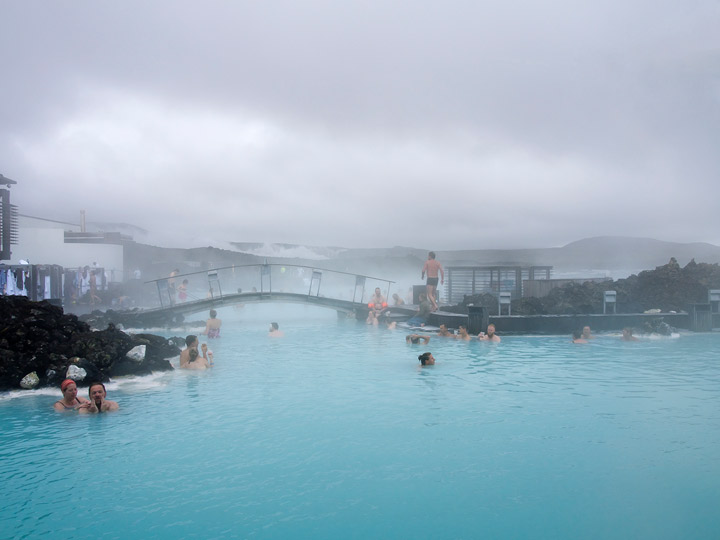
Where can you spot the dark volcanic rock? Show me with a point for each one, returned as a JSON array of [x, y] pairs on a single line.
[[39, 337], [136, 318], [668, 288]]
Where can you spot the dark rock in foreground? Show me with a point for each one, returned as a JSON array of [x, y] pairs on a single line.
[[136, 318], [37, 337]]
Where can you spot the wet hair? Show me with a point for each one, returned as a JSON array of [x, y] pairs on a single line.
[[190, 340], [213, 313], [97, 383], [185, 281], [274, 325], [577, 334], [413, 338], [431, 254], [424, 357]]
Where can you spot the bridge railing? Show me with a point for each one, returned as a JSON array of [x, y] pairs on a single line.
[[266, 279]]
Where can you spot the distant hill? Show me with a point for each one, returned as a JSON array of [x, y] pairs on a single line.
[[616, 257], [609, 253]]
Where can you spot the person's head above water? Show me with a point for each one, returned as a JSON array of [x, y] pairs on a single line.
[[274, 326], [427, 359], [191, 340], [431, 255], [94, 390], [491, 330], [213, 313]]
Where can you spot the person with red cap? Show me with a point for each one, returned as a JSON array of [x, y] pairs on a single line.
[[70, 400]]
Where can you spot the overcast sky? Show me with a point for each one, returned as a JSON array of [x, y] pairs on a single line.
[[366, 124]]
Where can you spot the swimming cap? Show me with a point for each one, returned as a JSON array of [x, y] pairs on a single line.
[[65, 384]]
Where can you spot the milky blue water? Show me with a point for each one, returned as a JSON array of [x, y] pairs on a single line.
[[335, 432]]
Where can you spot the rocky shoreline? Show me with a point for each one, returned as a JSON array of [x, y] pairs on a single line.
[[667, 288], [40, 346]]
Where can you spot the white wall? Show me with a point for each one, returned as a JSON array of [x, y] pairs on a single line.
[[46, 245]]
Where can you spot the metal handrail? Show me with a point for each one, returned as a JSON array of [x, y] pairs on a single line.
[[271, 264], [314, 269]]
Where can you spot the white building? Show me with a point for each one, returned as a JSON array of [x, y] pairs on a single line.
[[45, 241]]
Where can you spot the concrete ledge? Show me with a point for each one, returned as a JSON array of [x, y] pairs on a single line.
[[565, 324]]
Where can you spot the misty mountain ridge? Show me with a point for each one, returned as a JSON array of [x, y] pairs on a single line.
[[612, 256]]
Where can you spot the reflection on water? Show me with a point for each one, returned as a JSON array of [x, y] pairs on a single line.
[[334, 431]]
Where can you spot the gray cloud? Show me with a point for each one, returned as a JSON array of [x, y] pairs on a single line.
[[466, 124]]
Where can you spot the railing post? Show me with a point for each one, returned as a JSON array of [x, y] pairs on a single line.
[[316, 274], [265, 271], [359, 282]]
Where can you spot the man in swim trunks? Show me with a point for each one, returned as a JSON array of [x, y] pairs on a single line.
[[98, 403], [432, 267]]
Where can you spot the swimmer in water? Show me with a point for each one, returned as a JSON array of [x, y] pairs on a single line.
[[490, 336], [415, 339], [577, 337], [275, 331], [627, 334], [190, 357], [586, 334], [98, 403], [463, 334], [212, 326], [444, 332], [70, 400], [426, 359]]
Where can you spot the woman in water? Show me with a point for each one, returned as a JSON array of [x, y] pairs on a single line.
[[70, 400], [212, 326], [190, 357]]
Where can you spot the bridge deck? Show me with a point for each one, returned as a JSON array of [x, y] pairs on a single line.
[[197, 306]]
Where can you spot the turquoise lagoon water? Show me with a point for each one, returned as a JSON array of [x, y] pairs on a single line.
[[335, 432]]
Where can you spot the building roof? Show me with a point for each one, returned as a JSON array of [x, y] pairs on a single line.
[[5, 181]]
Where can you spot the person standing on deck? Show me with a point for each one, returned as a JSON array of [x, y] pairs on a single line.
[[432, 267]]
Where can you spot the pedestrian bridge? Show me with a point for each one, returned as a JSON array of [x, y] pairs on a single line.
[[196, 292]]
